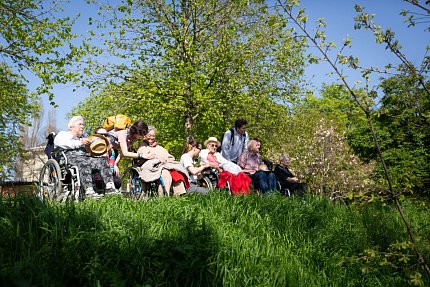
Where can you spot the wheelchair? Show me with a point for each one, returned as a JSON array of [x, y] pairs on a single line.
[[60, 181], [134, 187], [209, 179]]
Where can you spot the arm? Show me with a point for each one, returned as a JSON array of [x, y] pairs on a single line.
[[122, 138], [226, 145], [245, 147], [196, 170]]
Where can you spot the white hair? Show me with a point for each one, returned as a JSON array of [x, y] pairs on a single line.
[[284, 157], [152, 128], [74, 120]]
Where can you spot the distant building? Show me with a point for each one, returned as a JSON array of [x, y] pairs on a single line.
[[32, 164], [27, 173], [29, 167]]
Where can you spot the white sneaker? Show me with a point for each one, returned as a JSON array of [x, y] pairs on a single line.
[[89, 192], [111, 190], [110, 185]]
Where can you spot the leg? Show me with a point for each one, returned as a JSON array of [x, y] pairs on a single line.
[[179, 188], [79, 159], [101, 163], [167, 178], [261, 179], [271, 179], [197, 189]]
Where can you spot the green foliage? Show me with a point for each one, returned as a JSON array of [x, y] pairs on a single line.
[[403, 124], [33, 38], [316, 137], [16, 109], [195, 240], [197, 66]]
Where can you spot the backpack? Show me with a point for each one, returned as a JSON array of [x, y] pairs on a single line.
[[231, 138], [119, 122]]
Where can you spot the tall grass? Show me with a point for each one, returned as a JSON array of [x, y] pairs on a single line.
[[214, 240]]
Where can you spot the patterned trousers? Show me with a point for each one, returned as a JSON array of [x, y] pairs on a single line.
[[86, 163]]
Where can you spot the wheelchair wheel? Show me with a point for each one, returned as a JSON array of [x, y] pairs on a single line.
[[131, 184], [50, 186], [206, 183]]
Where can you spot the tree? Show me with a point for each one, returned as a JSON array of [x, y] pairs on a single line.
[[33, 40], [19, 107], [403, 124], [198, 64], [366, 99]]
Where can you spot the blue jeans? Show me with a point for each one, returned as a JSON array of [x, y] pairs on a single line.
[[264, 181]]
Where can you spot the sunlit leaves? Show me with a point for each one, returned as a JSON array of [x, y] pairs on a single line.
[[201, 64]]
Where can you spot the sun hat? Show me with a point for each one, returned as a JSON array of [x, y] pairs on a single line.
[[212, 139], [98, 145]]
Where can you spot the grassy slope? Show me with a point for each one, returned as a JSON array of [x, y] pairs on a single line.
[[199, 241]]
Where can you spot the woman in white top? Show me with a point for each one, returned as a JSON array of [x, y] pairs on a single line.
[[191, 151]]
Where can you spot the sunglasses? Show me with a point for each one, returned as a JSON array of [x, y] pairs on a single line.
[[213, 144]]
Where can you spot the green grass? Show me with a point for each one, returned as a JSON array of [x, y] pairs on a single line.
[[214, 240]]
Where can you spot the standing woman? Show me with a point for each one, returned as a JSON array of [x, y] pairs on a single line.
[[191, 151], [124, 140]]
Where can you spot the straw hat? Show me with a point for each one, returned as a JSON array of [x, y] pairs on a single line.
[[213, 140], [98, 145]]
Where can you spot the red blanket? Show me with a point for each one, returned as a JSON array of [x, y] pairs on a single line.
[[179, 176], [239, 184]]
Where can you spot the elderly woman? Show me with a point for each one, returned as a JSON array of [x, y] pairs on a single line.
[[173, 174], [228, 171], [73, 142], [287, 179], [251, 162]]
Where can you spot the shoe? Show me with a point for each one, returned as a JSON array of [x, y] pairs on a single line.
[[111, 190], [90, 193], [110, 185]]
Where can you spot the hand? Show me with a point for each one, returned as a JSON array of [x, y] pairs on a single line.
[[147, 155], [84, 141]]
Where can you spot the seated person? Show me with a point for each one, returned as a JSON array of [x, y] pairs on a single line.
[[73, 142], [239, 181], [251, 162], [287, 179], [173, 173], [191, 151]]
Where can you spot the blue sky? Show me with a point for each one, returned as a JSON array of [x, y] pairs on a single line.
[[339, 15]]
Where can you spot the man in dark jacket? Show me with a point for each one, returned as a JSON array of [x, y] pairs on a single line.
[[289, 182]]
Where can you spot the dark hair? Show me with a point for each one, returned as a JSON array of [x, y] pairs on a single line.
[[239, 123], [190, 144], [138, 128]]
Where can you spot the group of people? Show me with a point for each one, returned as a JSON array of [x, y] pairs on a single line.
[[236, 160]]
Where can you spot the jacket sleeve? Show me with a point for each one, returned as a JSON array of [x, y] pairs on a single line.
[[226, 145]]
